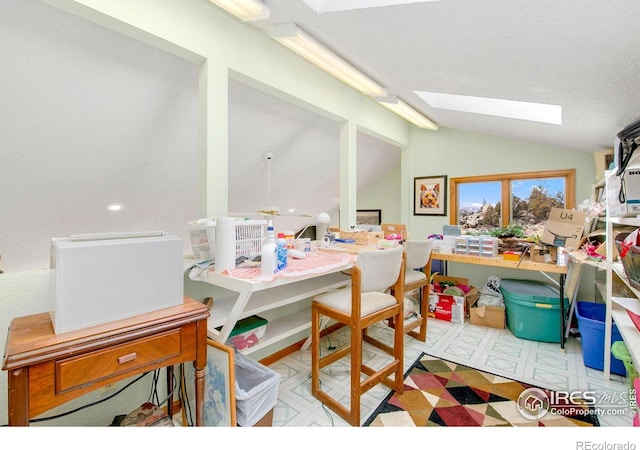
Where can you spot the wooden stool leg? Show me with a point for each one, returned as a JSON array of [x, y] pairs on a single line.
[[398, 353], [356, 370], [315, 349], [424, 310]]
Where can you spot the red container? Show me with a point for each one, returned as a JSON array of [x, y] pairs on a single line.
[[635, 319], [630, 257]]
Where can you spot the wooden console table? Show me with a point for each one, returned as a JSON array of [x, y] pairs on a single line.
[[46, 369]]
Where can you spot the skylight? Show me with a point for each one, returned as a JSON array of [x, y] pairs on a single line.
[[535, 112], [323, 6]]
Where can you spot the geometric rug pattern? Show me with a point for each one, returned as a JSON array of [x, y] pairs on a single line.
[[444, 393]]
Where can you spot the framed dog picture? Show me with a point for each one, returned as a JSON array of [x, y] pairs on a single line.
[[430, 196]]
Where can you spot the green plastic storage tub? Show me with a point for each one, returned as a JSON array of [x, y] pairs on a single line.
[[533, 309], [247, 332]]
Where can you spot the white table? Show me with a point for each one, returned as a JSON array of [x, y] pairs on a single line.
[[257, 295]]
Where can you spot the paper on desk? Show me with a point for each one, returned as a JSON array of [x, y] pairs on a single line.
[[632, 304], [197, 270]]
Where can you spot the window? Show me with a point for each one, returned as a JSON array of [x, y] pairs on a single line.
[[522, 199]]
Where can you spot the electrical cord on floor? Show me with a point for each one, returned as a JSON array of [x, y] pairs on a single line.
[[153, 395], [57, 416], [327, 411], [184, 399], [169, 394]]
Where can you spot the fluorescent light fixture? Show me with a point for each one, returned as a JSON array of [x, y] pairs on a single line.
[[402, 109], [323, 6], [245, 10], [536, 112], [296, 39]]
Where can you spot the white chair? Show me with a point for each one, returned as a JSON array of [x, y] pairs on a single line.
[[365, 303], [417, 276]]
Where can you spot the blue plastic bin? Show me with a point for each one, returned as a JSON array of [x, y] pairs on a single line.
[[591, 326]]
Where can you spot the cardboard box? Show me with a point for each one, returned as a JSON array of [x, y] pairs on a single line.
[[366, 238], [394, 228], [564, 228], [487, 316], [543, 253], [451, 308]]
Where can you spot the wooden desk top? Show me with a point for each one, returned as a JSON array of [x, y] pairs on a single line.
[[352, 249], [32, 338], [500, 262]]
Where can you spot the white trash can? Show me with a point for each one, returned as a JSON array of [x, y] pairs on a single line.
[[256, 392]]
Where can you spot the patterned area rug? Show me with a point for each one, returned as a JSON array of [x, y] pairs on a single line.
[[443, 393]]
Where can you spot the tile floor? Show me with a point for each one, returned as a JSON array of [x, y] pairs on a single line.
[[492, 350]]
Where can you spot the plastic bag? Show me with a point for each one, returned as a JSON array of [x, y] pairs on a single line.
[[490, 294], [256, 390]]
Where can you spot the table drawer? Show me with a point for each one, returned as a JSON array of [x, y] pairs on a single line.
[[84, 370]]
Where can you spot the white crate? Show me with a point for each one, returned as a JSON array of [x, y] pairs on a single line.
[[249, 235]]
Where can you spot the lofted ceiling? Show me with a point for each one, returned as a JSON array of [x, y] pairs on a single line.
[[582, 55], [304, 149]]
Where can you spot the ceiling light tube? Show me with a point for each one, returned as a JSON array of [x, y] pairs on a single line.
[[245, 10], [293, 37], [402, 109]]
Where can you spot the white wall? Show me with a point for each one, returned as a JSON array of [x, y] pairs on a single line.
[[88, 117], [91, 116], [456, 154], [221, 45]]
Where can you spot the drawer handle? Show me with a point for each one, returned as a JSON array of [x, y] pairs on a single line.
[[127, 358]]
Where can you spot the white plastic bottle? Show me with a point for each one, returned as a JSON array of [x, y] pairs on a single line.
[[281, 251], [268, 258]]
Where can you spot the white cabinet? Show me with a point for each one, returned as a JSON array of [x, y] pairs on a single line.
[[615, 312]]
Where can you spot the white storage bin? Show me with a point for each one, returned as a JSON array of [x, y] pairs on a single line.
[[202, 236], [97, 278]]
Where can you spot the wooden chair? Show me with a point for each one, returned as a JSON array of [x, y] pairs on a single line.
[[417, 276], [365, 303]]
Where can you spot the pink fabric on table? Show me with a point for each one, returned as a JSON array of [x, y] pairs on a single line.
[[314, 262]]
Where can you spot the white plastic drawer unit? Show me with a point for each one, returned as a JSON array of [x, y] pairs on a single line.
[[97, 278]]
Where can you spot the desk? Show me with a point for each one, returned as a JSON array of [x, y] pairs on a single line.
[[544, 268], [46, 369], [302, 279]]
